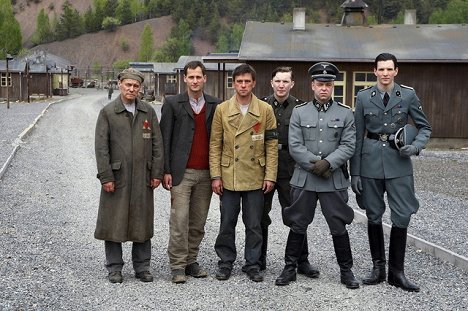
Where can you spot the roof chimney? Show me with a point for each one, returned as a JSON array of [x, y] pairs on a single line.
[[410, 17], [299, 19], [354, 13]]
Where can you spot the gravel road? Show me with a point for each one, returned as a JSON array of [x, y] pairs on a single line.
[[49, 259]]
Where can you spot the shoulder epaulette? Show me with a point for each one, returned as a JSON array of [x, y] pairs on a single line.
[[300, 105], [406, 87], [343, 105], [366, 88]]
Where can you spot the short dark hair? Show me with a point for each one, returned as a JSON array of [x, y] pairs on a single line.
[[283, 69], [193, 65], [243, 69], [384, 57]]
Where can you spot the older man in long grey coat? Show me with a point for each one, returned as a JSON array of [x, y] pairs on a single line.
[[129, 155]]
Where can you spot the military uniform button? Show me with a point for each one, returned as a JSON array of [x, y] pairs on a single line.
[[385, 124], [251, 147], [321, 130], [320, 141], [384, 145], [335, 126]]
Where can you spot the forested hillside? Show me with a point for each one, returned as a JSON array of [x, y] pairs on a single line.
[[217, 23]]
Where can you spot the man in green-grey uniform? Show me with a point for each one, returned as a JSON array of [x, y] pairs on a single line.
[[321, 141], [379, 166], [283, 103]]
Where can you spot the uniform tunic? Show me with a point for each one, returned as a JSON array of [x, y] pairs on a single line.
[[378, 163]]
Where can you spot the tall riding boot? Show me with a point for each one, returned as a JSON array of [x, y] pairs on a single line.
[[291, 256], [377, 249], [263, 255], [396, 261], [345, 260], [303, 266]]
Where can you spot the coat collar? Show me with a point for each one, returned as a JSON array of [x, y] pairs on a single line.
[[119, 105], [240, 122], [185, 101], [395, 97]]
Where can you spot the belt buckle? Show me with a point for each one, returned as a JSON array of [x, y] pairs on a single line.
[[383, 137]]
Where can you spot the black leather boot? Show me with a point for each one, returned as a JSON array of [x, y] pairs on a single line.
[[396, 261], [345, 260], [377, 249], [292, 254], [304, 267], [263, 255]]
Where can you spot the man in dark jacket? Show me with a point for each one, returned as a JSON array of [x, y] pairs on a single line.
[[186, 126], [129, 155], [282, 81]]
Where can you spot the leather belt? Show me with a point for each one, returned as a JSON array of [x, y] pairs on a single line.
[[283, 147], [384, 137]]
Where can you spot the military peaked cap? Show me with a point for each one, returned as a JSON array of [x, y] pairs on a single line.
[[323, 71]]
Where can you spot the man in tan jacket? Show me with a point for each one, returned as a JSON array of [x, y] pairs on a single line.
[[243, 165]]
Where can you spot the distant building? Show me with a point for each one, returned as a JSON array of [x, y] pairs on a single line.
[[433, 59]]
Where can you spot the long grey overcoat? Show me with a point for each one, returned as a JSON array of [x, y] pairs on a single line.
[[129, 151]]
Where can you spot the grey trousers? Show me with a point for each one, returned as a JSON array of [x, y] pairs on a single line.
[[334, 207], [141, 256]]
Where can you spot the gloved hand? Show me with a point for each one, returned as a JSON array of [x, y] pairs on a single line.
[[320, 167], [356, 184], [408, 150], [327, 174]]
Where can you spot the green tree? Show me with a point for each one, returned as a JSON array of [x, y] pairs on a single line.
[[236, 36], [124, 12], [121, 64], [99, 14], [146, 44], [110, 8], [455, 13], [88, 20], [110, 23], [70, 24], [43, 32], [10, 39]]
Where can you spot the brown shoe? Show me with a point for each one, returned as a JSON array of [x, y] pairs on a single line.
[[144, 276], [115, 277], [196, 271], [178, 276]]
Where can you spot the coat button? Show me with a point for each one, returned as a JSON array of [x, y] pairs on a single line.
[[252, 159], [251, 133], [237, 147], [237, 159], [251, 147]]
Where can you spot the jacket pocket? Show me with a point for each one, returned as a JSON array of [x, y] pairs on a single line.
[[400, 116], [225, 160], [119, 175], [261, 161], [334, 130], [309, 129]]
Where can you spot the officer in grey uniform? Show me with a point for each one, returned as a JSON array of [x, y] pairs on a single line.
[[321, 141], [282, 81], [378, 167]]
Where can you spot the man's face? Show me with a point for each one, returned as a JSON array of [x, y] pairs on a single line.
[[322, 90], [244, 84], [282, 84], [129, 89], [385, 73], [195, 80]]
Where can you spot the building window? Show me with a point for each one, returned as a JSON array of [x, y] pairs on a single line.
[[171, 79], [229, 80], [361, 81], [339, 92], [5, 80]]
